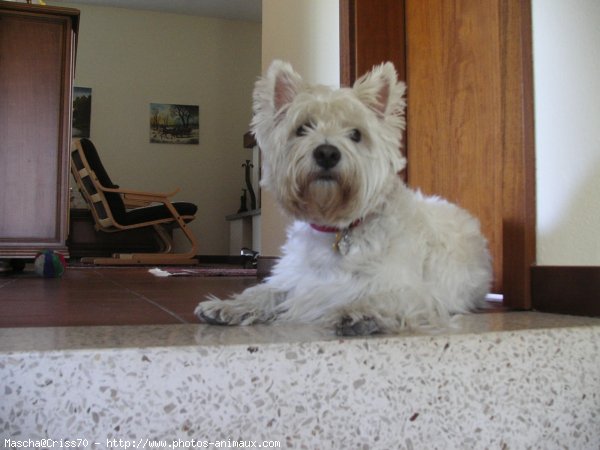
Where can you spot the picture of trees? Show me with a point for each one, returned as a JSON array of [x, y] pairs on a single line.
[[82, 111], [174, 124]]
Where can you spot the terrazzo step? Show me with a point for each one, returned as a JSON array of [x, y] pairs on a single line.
[[503, 380]]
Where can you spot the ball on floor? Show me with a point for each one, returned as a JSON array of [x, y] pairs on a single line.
[[48, 264]]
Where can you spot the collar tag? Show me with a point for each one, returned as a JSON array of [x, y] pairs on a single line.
[[343, 238], [343, 241]]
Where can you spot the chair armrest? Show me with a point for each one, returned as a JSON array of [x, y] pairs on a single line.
[[141, 196]]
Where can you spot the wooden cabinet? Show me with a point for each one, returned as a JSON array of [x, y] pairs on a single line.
[[37, 54]]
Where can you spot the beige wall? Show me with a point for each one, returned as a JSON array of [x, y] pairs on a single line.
[[131, 58], [567, 118], [305, 33]]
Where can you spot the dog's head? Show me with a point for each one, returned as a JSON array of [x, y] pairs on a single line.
[[328, 154]]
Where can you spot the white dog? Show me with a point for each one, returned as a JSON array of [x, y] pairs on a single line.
[[365, 253]]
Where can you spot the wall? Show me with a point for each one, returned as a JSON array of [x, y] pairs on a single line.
[[567, 116], [131, 58], [305, 33]]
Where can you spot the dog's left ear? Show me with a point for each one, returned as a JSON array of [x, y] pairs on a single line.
[[380, 90]]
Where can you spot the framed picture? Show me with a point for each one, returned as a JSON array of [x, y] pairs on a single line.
[[82, 111], [174, 124]]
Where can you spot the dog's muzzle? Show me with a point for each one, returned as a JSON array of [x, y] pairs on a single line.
[[327, 156]]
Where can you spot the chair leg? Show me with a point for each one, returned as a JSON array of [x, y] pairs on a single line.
[[186, 230], [166, 242]]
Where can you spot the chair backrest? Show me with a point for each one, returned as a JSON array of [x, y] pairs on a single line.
[[89, 173]]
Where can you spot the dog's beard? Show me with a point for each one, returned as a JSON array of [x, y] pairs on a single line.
[[323, 198]]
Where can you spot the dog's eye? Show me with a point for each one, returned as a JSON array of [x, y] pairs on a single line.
[[302, 130], [355, 135]]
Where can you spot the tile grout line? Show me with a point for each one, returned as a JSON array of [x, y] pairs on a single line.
[[144, 298]]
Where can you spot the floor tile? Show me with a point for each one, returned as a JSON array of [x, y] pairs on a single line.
[[107, 296]]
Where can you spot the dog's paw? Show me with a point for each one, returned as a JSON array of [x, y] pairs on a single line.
[[218, 312], [230, 312], [211, 317], [350, 326]]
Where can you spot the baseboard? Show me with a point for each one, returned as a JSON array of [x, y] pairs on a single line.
[[566, 289], [265, 266]]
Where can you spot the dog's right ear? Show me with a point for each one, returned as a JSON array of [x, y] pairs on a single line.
[[277, 88], [286, 83]]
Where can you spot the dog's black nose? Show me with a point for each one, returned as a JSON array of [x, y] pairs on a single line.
[[327, 156]]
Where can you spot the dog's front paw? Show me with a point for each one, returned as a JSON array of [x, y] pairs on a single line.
[[239, 311], [218, 312], [209, 314], [351, 326]]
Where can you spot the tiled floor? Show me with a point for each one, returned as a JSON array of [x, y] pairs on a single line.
[[107, 296]]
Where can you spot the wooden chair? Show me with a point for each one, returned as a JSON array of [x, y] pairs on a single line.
[[115, 209]]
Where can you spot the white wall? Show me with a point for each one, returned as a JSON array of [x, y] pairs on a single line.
[[566, 38], [305, 33], [131, 58]]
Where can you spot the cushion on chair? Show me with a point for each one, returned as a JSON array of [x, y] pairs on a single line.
[[157, 212]]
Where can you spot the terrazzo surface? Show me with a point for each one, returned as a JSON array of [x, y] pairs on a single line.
[[501, 381]]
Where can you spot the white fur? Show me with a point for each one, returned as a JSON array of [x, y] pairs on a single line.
[[410, 261]]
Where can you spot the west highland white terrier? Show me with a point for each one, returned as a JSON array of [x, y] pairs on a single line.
[[365, 253]]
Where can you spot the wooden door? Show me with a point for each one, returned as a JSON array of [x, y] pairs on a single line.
[[371, 32], [469, 117]]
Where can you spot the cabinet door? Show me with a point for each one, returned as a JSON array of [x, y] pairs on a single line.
[[35, 93]]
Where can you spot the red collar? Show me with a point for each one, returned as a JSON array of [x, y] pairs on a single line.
[[327, 229]]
